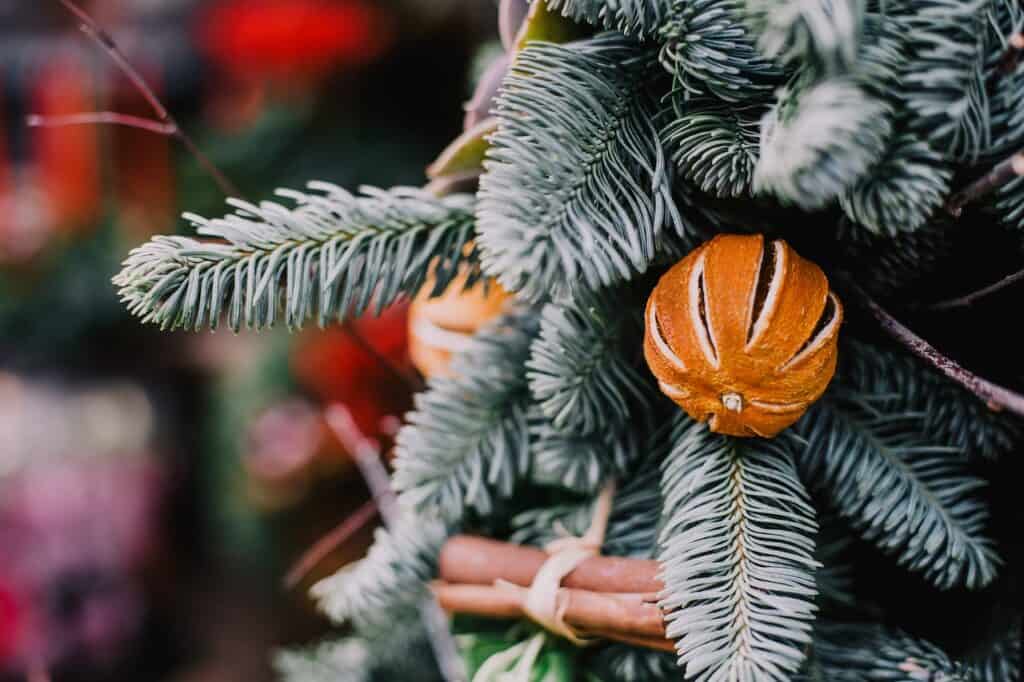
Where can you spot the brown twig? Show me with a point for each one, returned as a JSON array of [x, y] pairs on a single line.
[[969, 299], [996, 396], [100, 118], [411, 383], [328, 543], [367, 455], [1001, 174], [473, 560], [167, 124]]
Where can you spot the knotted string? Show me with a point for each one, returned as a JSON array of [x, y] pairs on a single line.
[[545, 602]]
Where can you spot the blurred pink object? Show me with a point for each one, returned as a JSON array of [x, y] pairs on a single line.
[[75, 539]]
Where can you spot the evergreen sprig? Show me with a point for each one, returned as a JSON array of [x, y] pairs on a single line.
[[576, 462], [709, 51], [737, 558], [331, 256], [636, 509], [584, 368], [871, 653], [640, 18], [823, 33], [577, 188], [467, 441], [390, 583], [821, 140], [715, 146], [952, 415], [904, 188], [911, 496], [944, 85]]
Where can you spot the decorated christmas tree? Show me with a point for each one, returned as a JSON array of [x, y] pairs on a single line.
[[671, 429]]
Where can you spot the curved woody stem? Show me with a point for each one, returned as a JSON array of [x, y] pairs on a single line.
[[165, 124]]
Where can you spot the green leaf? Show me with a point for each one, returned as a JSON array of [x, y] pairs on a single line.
[[736, 558], [577, 189], [914, 498], [467, 441], [331, 256]]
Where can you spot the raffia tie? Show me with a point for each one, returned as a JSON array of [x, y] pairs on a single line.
[[544, 601]]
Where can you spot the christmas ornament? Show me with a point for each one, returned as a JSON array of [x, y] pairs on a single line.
[[442, 325], [742, 334]]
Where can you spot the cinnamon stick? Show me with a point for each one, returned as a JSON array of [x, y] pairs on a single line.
[[627, 618], [472, 560]]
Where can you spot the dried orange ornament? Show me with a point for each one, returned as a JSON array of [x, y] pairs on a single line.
[[742, 333], [444, 324]]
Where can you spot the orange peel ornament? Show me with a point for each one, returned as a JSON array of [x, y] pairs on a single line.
[[742, 333], [442, 325]]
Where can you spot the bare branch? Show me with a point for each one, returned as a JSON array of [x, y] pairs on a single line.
[[367, 455], [101, 118], [1001, 174], [411, 383], [969, 299], [330, 542], [106, 42], [997, 397]]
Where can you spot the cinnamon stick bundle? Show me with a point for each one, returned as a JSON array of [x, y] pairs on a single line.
[[606, 597]]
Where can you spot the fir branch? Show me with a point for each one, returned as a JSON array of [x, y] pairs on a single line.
[[1001, 662], [874, 654], [575, 196], [390, 583], [902, 191], [621, 663], [890, 264], [952, 415], [362, 659], [575, 462], [820, 141], [943, 86], [468, 441], [584, 368], [636, 512], [736, 558], [911, 497], [640, 18], [709, 51], [715, 146], [331, 256], [825, 33]]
